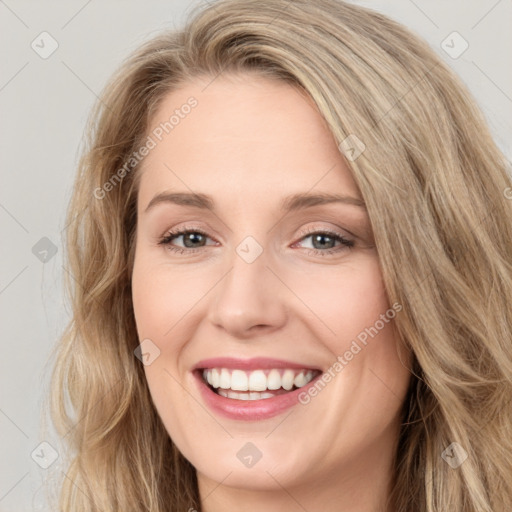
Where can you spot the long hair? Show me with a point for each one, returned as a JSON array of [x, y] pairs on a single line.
[[438, 195]]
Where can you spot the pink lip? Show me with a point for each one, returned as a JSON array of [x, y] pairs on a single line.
[[249, 410], [255, 363]]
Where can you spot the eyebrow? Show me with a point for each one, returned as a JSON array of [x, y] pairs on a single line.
[[291, 203]]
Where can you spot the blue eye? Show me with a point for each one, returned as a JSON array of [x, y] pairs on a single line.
[[323, 241], [189, 236], [327, 240]]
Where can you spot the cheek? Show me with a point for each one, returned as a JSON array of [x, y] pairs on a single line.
[[340, 301], [161, 297], [158, 303], [345, 299]]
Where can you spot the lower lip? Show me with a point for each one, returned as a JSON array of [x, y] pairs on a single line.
[[250, 410]]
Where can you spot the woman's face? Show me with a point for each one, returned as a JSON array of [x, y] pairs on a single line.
[[274, 283]]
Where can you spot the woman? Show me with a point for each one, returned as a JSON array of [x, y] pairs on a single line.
[[291, 233]]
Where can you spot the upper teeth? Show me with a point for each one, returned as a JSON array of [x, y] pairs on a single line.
[[257, 380]]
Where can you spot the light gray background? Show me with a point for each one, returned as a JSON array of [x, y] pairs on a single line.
[[44, 104]]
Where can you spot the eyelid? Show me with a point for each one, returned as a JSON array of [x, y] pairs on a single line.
[[319, 229], [189, 227], [307, 231], [344, 242], [181, 231]]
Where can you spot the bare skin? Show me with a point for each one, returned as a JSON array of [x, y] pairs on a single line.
[[248, 144]]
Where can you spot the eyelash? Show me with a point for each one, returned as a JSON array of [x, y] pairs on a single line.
[[346, 243]]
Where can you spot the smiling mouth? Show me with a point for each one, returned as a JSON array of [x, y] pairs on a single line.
[[256, 384]]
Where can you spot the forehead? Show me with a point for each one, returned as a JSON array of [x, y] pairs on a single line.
[[245, 133]]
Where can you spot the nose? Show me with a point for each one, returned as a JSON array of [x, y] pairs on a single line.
[[250, 300]]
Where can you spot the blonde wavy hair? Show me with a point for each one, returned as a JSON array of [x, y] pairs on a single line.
[[435, 186]]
